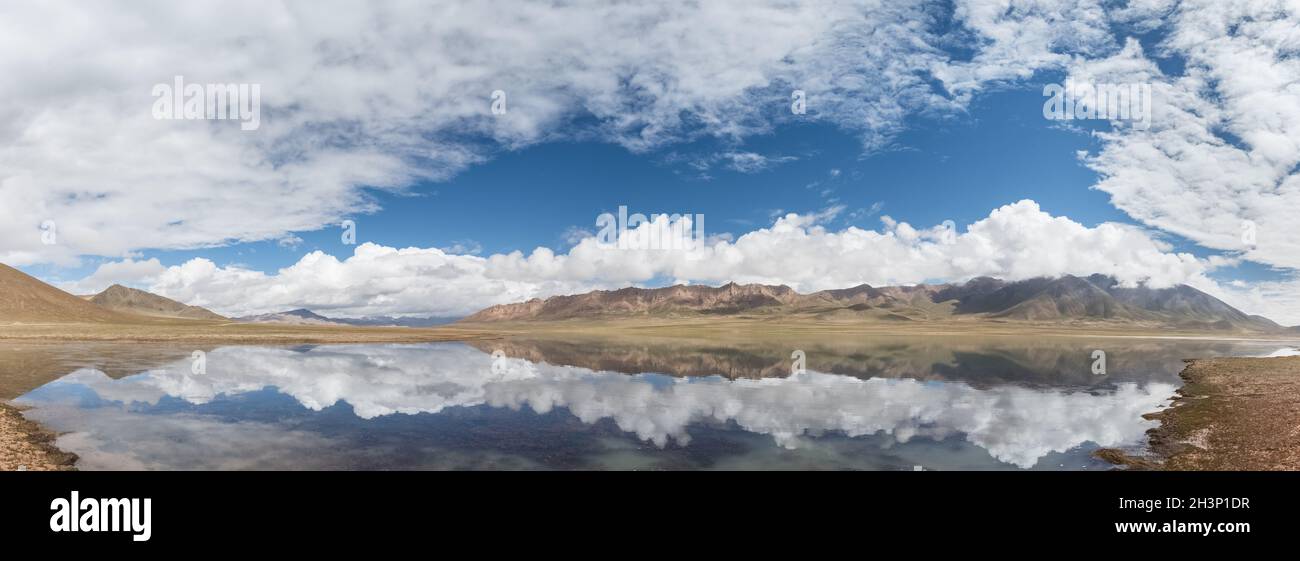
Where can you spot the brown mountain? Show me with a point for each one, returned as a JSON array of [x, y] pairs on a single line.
[[130, 300], [24, 299], [1063, 299], [674, 300], [1102, 298]]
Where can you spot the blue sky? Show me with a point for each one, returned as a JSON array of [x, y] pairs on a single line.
[[956, 168]]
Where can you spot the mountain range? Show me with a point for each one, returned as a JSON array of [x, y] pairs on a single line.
[[26, 299], [1066, 299], [291, 317], [302, 316]]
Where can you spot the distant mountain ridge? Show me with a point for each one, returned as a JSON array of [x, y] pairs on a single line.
[[303, 316], [1062, 299], [1068, 299], [25, 299], [130, 300], [300, 316]]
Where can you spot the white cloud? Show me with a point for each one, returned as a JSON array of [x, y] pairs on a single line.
[[375, 280], [752, 162], [1278, 300], [1016, 241], [1224, 141], [1013, 39], [126, 271], [361, 95], [289, 241]]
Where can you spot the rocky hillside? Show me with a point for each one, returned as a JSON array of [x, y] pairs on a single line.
[[123, 299], [25, 299], [1064, 299]]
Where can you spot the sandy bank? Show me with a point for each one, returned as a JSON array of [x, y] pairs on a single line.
[[1233, 414], [229, 332], [24, 445]]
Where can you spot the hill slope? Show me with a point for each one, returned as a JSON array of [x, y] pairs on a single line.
[[1058, 300], [123, 299], [672, 300], [24, 299]]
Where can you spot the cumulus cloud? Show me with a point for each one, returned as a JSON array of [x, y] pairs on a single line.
[[126, 271], [1016, 241], [359, 96], [375, 280]]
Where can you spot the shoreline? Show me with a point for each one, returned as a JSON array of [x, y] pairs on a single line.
[[693, 327], [1231, 414], [232, 333], [219, 332], [27, 446], [1228, 415]]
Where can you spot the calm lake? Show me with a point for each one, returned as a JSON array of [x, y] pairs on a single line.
[[878, 403]]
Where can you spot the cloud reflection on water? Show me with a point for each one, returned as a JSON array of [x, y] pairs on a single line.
[[1016, 425]]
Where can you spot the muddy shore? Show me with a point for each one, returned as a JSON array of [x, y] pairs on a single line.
[[194, 331], [25, 445], [1233, 414]]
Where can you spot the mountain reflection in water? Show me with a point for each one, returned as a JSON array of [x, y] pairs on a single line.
[[548, 404]]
